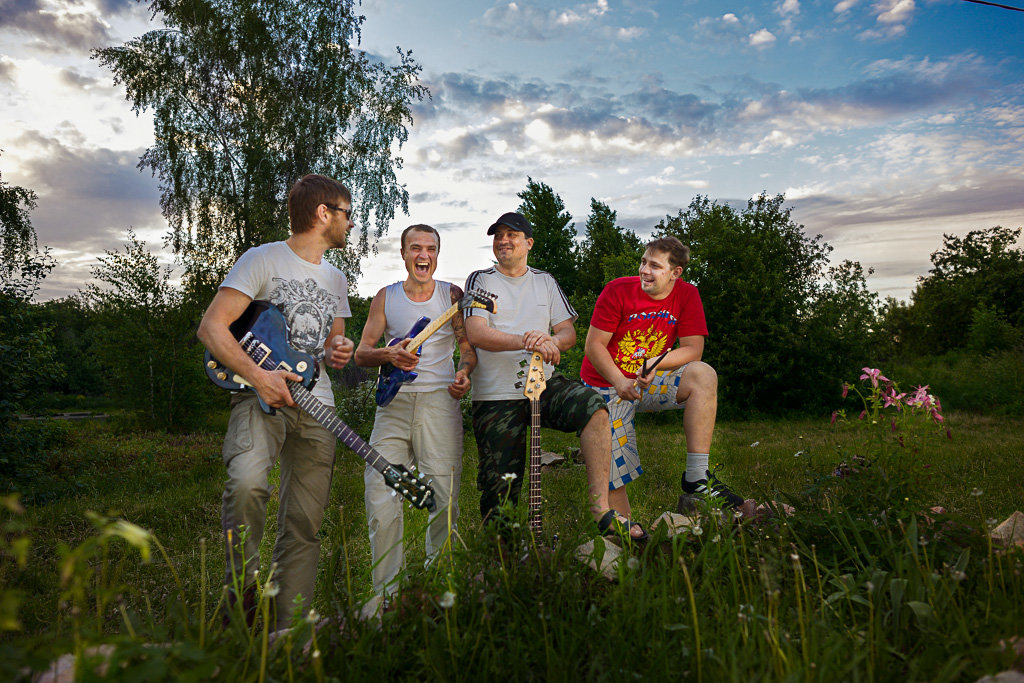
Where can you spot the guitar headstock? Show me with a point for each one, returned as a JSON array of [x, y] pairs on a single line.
[[534, 384], [413, 488], [478, 298]]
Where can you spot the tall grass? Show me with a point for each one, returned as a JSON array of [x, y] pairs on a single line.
[[864, 582]]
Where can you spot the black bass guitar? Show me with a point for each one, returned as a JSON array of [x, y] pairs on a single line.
[[262, 333], [391, 379]]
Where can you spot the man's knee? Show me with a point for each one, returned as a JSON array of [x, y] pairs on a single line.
[[699, 382]]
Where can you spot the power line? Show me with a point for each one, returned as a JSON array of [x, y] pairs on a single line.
[[996, 4]]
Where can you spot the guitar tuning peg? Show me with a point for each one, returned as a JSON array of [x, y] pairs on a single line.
[[519, 385], [394, 493]]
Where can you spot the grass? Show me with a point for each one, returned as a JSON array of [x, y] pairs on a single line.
[[858, 585]]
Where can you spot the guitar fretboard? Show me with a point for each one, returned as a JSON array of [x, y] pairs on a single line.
[[260, 353], [534, 507], [328, 419]]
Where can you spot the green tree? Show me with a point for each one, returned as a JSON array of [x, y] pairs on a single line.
[[608, 251], [145, 347], [554, 233], [976, 275], [27, 356], [249, 95], [760, 279]]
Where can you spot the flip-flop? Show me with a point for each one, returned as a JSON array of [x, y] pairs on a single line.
[[611, 526]]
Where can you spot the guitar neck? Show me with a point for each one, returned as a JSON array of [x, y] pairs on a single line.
[[433, 327], [534, 502], [325, 416]]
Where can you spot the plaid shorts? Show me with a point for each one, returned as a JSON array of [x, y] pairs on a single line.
[[660, 395]]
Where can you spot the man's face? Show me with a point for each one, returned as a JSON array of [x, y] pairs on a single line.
[[657, 276], [511, 247], [420, 255], [339, 224]]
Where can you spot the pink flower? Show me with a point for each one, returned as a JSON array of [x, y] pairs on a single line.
[[893, 426], [846, 389], [835, 414], [862, 415], [949, 434], [891, 397], [875, 375]]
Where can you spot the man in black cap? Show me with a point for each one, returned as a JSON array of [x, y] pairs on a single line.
[[535, 316]]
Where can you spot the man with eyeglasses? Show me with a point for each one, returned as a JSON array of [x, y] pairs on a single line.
[[311, 293]]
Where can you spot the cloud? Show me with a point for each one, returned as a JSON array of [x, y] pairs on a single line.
[[85, 195], [514, 124], [891, 18], [57, 28], [761, 38], [7, 70], [526, 21], [788, 7], [72, 78], [844, 6]]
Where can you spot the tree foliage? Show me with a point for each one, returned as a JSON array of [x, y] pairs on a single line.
[[27, 357], [554, 233], [249, 95], [974, 284], [608, 251], [783, 328], [145, 344]]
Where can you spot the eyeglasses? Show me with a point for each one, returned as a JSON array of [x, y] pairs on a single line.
[[347, 212]]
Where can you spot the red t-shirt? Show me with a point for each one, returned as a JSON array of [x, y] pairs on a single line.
[[642, 327]]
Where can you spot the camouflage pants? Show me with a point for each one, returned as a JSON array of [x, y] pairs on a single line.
[[500, 428]]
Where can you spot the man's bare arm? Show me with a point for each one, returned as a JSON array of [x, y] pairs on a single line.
[[596, 349], [467, 354], [368, 355]]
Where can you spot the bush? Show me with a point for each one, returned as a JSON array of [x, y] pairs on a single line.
[[984, 383]]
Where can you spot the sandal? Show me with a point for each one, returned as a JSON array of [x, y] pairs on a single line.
[[613, 525]]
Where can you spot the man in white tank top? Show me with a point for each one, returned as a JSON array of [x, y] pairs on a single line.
[[422, 426]]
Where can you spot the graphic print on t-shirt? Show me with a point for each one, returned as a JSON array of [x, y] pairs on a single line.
[[636, 345], [309, 310]]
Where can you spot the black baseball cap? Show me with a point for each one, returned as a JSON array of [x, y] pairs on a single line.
[[516, 221]]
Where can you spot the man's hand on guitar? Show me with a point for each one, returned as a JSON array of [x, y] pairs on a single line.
[[273, 388], [460, 386], [338, 352], [535, 340], [400, 357]]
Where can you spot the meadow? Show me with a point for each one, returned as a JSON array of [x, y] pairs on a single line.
[[120, 543]]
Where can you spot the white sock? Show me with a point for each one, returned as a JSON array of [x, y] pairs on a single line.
[[696, 466]]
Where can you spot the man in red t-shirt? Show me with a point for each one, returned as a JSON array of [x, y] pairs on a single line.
[[637, 319]]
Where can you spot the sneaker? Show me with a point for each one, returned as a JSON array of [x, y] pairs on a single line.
[[712, 487]]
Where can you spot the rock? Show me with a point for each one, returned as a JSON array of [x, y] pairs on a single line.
[[1011, 531], [1003, 677], [675, 523], [612, 553], [547, 458]]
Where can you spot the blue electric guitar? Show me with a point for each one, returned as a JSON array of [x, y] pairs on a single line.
[[391, 379], [262, 332]]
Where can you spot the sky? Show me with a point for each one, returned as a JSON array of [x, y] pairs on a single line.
[[885, 123]]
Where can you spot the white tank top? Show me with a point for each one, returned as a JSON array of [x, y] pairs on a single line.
[[436, 369]]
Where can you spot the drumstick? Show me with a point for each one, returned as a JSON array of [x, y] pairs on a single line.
[[644, 370]]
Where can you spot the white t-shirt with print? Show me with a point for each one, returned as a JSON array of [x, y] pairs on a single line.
[[310, 295]]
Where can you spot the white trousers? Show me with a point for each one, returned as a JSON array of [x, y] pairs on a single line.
[[421, 429]]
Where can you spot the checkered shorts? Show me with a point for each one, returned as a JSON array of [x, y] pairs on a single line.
[[660, 395]]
